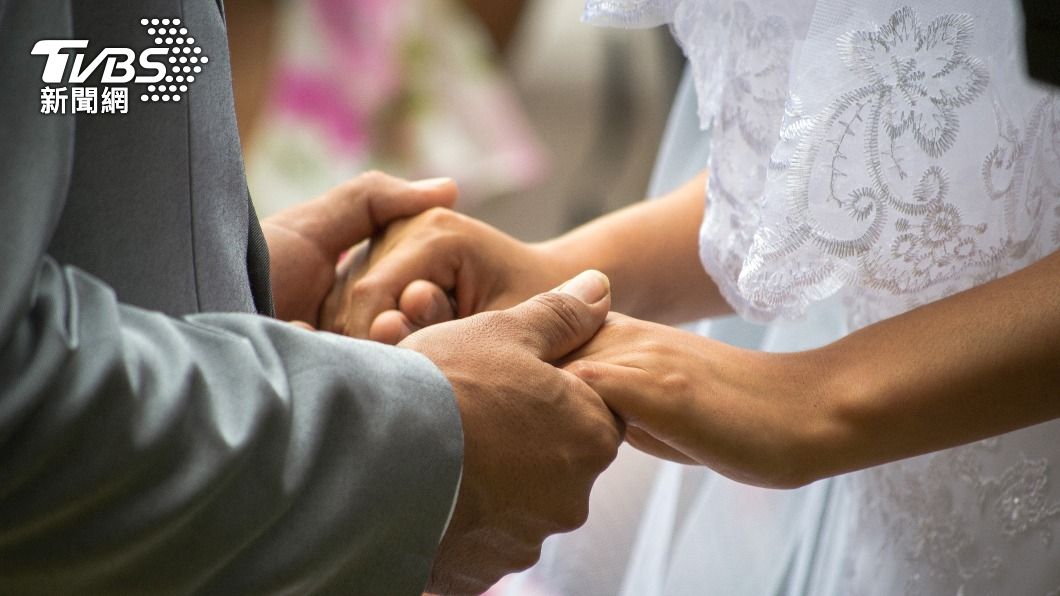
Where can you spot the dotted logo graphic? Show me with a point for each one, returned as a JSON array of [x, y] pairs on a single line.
[[185, 59], [162, 72]]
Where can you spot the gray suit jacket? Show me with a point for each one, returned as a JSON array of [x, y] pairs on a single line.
[[157, 436]]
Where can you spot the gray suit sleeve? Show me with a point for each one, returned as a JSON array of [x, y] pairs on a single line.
[[220, 454]]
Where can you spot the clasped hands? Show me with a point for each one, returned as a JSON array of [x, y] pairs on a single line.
[[546, 389]]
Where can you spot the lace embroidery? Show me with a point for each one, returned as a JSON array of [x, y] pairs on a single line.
[[921, 74], [1019, 500], [751, 104], [849, 164], [860, 216], [939, 511]]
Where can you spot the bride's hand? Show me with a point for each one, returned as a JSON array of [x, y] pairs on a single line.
[[752, 416], [306, 240], [431, 268]]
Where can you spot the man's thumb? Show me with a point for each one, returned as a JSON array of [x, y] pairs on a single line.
[[556, 323]]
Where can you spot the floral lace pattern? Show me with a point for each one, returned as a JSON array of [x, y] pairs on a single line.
[[875, 150], [957, 519]]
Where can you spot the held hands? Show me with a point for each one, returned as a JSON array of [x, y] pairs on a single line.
[[684, 398], [431, 268], [305, 241], [750, 415], [755, 417], [535, 437]]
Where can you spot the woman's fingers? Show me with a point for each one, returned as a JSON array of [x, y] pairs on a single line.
[[421, 304], [613, 383], [630, 393], [333, 311], [644, 441], [420, 250], [390, 327], [425, 303]]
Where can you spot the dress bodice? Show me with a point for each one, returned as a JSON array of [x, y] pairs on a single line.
[[889, 152]]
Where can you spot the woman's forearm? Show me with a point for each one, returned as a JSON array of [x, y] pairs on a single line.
[[974, 365], [650, 252]]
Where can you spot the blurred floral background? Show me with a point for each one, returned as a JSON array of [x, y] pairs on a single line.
[[544, 122]]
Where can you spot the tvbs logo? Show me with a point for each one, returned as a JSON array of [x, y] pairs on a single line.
[[166, 69], [118, 63]]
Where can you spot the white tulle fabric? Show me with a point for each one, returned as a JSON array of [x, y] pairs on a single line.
[[890, 153]]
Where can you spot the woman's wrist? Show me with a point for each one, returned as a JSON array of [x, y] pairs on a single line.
[[809, 406], [587, 248], [848, 429], [562, 258]]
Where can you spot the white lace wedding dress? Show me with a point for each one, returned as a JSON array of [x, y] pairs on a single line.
[[866, 157]]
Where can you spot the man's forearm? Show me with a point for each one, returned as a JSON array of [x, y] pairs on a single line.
[[130, 435], [974, 365], [650, 252]]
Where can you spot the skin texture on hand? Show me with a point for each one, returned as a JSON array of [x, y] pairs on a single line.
[[535, 436], [305, 241]]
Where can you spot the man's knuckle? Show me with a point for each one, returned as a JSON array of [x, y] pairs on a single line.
[[364, 287], [604, 444], [373, 178], [440, 217], [610, 439], [586, 371], [577, 515], [527, 558], [438, 240]]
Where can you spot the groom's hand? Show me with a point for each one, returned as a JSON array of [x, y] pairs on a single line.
[[535, 437], [305, 241]]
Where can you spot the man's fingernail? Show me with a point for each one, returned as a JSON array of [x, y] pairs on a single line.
[[588, 286], [430, 183]]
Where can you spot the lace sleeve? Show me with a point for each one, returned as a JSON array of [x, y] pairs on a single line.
[[890, 152]]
